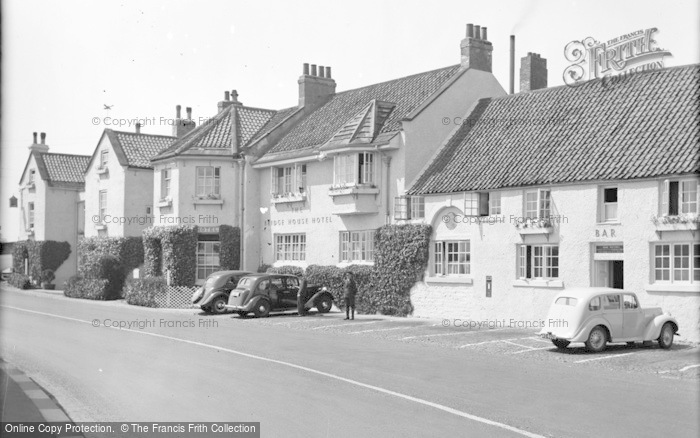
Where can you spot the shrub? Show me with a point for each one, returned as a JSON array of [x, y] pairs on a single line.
[[92, 289], [264, 267], [152, 253], [230, 251], [19, 253], [19, 281], [286, 269], [128, 250], [173, 250], [48, 275], [143, 291], [332, 278], [41, 255]]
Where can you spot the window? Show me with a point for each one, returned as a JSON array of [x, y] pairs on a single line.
[[566, 301], [351, 169], [629, 302], [452, 257], [679, 197], [104, 157], [357, 246], [30, 215], [32, 174], [537, 204], [611, 302], [609, 207], [207, 258], [290, 247], [476, 204], [538, 261], [494, 203], [290, 179], [409, 207], [165, 183], [208, 182], [594, 305], [103, 205], [677, 263]]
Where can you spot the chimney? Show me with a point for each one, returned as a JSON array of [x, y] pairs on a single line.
[[533, 72], [39, 147], [182, 126], [512, 65], [476, 50], [315, 88], [230, 98], [138, 128]]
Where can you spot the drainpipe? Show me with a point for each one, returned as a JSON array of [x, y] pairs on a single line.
[[387, 185], [243, 197]]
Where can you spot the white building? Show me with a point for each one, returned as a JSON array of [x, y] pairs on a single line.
[[595, 185]]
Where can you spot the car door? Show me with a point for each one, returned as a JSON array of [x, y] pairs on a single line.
[[612, 312], [633, 318], [277, 292], [291, 289]]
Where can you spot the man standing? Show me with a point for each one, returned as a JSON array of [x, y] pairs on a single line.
[[350, 292], [301, 297]]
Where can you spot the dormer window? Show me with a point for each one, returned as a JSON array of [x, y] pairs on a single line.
[[354, 169]]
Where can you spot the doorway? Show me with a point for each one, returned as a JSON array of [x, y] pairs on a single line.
[[609, 273]]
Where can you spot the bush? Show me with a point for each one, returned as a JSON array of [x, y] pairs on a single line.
[[152, 253], [19, 281], [286, 269], [41, 255], [230, 250], [263, 268], [47, 276], [173, 250], [143, 291], [128, 250], [332, 278], [92, 289]]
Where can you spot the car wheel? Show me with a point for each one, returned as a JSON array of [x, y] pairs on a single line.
[[262, 309], [666, 337], [560, 343], [597, 340], [218, 306], [324, 304]]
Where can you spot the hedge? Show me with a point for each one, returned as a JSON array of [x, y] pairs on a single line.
[[332, 278], [19, 281], [90, 288], [128, 250], [230, 249], [143, 291], [286, 269], [41, 255], [171, 249]]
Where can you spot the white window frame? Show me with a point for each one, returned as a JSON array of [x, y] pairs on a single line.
[[208, 181], [476, 204], [607, 208], [165, 181], [30, 215], [32, 175], [417, 205], [102, 205], [288, 180], [290, 247], [355, 169], [538, 206], [208, 258], [685, 203], [409, 208], [357, 246], [494, 203], [542, 262], [104, 159], [676, 266], [451, 258]]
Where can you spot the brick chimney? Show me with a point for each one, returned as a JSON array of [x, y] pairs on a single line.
[[39, 147], [533, 72], [315, 86], [229, 99], [182, 126], [476, 49]]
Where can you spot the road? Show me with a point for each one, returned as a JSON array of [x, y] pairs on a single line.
[[318, 383]]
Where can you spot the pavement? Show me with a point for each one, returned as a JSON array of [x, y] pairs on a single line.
[[324, 376]]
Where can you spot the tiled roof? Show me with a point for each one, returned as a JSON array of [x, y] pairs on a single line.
[[63, 168], [406, 93], [216, 134], [139, 148], [643, 125]]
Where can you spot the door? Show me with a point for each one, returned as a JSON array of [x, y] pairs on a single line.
[[277, 291], [602, 273], [288, 297], [617, 274], [633, 317], [612, 312]]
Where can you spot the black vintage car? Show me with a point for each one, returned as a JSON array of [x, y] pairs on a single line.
[[213, 296], [265, 293]]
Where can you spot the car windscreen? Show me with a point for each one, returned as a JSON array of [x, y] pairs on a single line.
[[566, 301], [245, 283]]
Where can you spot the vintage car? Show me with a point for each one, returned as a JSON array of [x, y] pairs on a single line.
[[213, 295], [265, 293], [599, 315]]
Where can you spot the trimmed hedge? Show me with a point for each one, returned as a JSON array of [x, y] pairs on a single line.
[[332, 278], [143, 291], [41, 255], [286, 269], [128, 250], [230, 252], [171, 249], [89, 288], [19, 281]]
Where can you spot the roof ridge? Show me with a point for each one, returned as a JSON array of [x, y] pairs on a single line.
[[142, 133], [64, 154], [397, 79]]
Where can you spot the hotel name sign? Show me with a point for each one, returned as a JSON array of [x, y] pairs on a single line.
[[314, 220]]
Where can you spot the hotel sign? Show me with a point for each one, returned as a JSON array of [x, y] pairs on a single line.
[[315, 220]]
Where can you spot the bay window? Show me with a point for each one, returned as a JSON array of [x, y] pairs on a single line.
[[354, 169]]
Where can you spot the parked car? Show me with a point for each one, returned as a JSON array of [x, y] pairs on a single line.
[[265, 293], [5, 275], [213, 295], [598, 316]]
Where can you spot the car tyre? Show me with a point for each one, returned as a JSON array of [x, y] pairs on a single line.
[[597, 339], [262, 309], [218, 306], [324, 304], [666, 336], [560, 343]]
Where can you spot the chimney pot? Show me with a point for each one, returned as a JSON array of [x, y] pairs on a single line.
[[483, 34], [328, 73], [226, 96], [476, 53], [306, 68], [322, 71], [43, 138], [178, 110], [234, 95], [470, 30], [34, 137], [138, 128], [477, 31], [313, 70], [512, 64], [189, 113]]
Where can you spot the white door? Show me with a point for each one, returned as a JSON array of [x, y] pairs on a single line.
[[602, 273]]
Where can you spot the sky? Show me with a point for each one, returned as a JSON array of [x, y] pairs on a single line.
[[63, 61]]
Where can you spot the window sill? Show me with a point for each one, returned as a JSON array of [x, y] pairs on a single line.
[[661, 287], [167, 202], [100, 227], [208, 202], [612, 222], [354, 190], [538, 283], [102, 171], [535, 230], [446, 279], [680, 226]]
